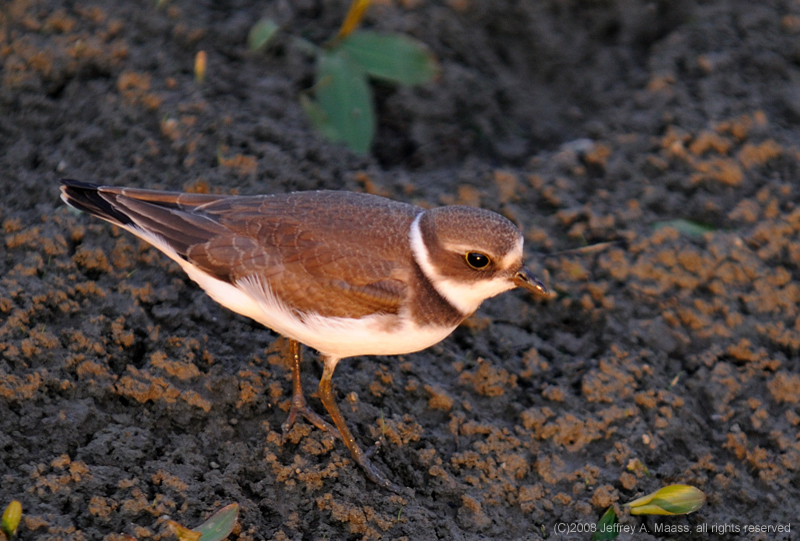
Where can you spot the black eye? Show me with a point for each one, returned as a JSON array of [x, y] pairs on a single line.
[[477, 260]]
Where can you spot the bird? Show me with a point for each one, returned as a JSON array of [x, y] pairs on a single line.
[[345, 273]]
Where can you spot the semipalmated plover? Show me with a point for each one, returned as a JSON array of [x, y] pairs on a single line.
[[344, 273]]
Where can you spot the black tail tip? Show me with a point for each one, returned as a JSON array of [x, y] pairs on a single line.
[[87, 197], [77, 184]]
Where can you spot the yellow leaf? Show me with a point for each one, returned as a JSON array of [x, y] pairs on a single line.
[[353, 18], [11, 517], [200, 60], [182, 532], [670, 500]]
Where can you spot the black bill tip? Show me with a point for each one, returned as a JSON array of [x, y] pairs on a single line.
[[526, 280]]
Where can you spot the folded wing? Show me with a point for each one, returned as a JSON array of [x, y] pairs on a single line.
[[310, 247]]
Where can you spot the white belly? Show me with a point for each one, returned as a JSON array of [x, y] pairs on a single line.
[[337, 337]]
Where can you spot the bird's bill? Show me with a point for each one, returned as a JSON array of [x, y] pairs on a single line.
[[526, 280]]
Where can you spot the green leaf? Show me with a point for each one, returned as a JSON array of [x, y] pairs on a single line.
[[219, 525], [305, 46], [394, 57], [343, 93], [605, 526], [261, 34], [319, 118], [686, 227]]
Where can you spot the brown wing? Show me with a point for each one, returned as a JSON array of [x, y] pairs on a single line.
[[336, 253]]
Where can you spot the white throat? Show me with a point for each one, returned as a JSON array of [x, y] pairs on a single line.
[[465, 297]]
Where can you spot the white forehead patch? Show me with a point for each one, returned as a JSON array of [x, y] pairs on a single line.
[[514, 257]]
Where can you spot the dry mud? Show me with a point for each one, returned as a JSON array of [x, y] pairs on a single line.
[[668, 356]]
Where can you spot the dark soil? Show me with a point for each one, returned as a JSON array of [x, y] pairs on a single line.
[[669, 355]]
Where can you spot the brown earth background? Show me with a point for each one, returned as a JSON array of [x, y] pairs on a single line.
[[670, 356]]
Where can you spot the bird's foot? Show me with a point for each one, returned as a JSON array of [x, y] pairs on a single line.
[[375, 475], [300, 409]]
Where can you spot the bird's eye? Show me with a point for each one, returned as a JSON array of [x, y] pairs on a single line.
[[477, 260]]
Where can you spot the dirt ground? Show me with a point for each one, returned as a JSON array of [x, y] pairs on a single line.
[[671, 355]]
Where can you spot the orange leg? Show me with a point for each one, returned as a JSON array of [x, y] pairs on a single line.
[[299, 405], [325, 393]]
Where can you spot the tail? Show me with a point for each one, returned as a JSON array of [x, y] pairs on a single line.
[[171, 221], [86, 197]]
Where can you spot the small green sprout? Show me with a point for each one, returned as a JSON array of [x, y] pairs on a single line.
[[636, 465], [216, 528], [605, 530], [686, 227], [261, 34], [675, 380], [343, 108], [11, 518], [670, 500]]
